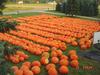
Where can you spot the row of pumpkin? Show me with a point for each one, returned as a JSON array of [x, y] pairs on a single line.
[[34, 68]]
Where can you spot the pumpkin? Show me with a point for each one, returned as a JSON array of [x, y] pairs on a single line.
[[74, 63], [28, 72], [52, 71], [21, 59], [63, 62], [28, 64], [18, 72], [14, 68], [45, 54], [38, 52], [73, 57], [36, 70], [64, 57], [24, 67], [44, 60], [59, 52], [83, 47], [36, 63], [53, 48], [74, 43], [51, 65], [54, 60], [71, 52], [53, 54], [63, 70]]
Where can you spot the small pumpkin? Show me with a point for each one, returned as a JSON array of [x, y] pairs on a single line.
[[53, 54], [74, 63], [28, 72], [63, 62], [52, 71], [64, 57], [51, 65], [36, 69], [71, 52], [74, 57], [27, 63], [54, 60], [59, 52], [18, 72], [45, 54], [36, 63], [63, 70], [44, 60]]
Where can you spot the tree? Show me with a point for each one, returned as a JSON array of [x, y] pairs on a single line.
[[72, 7], [2, 6]]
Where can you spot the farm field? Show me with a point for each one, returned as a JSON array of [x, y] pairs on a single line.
[[51, 41]]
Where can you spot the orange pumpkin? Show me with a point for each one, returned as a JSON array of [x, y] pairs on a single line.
[[59, 52], [71, 52], [21, 59], [44, 60], [74, 43], [18, 72], [63, 70], [53, 54], [52, 71], [24, 67], [50, 66], [64, 57], [74, 63], [64, 62], [54, 60], [45, 54], [28, 72], [28, 64], [73, 57], [36, 63], [36, 70]]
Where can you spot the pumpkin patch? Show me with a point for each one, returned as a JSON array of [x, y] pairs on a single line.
[[47, 38]]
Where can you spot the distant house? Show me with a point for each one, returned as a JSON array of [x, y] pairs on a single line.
[[20, 2]]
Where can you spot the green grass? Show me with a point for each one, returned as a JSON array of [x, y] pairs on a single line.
[[15, 7]]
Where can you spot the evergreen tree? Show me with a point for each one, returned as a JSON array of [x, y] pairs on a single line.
[[72, 7]]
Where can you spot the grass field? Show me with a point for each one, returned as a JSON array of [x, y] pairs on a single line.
[[15, 7], [84, 62]]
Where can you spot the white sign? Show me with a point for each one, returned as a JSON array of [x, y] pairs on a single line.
[[96, 37]]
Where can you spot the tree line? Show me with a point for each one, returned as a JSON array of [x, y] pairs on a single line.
[[79, 7]]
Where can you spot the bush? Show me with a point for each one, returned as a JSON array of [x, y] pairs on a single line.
[[6, 25]]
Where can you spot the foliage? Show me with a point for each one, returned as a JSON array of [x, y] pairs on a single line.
[[6, 49], [89, 8], [79, 7], [2, 5], [72, 7], [6, 25]]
